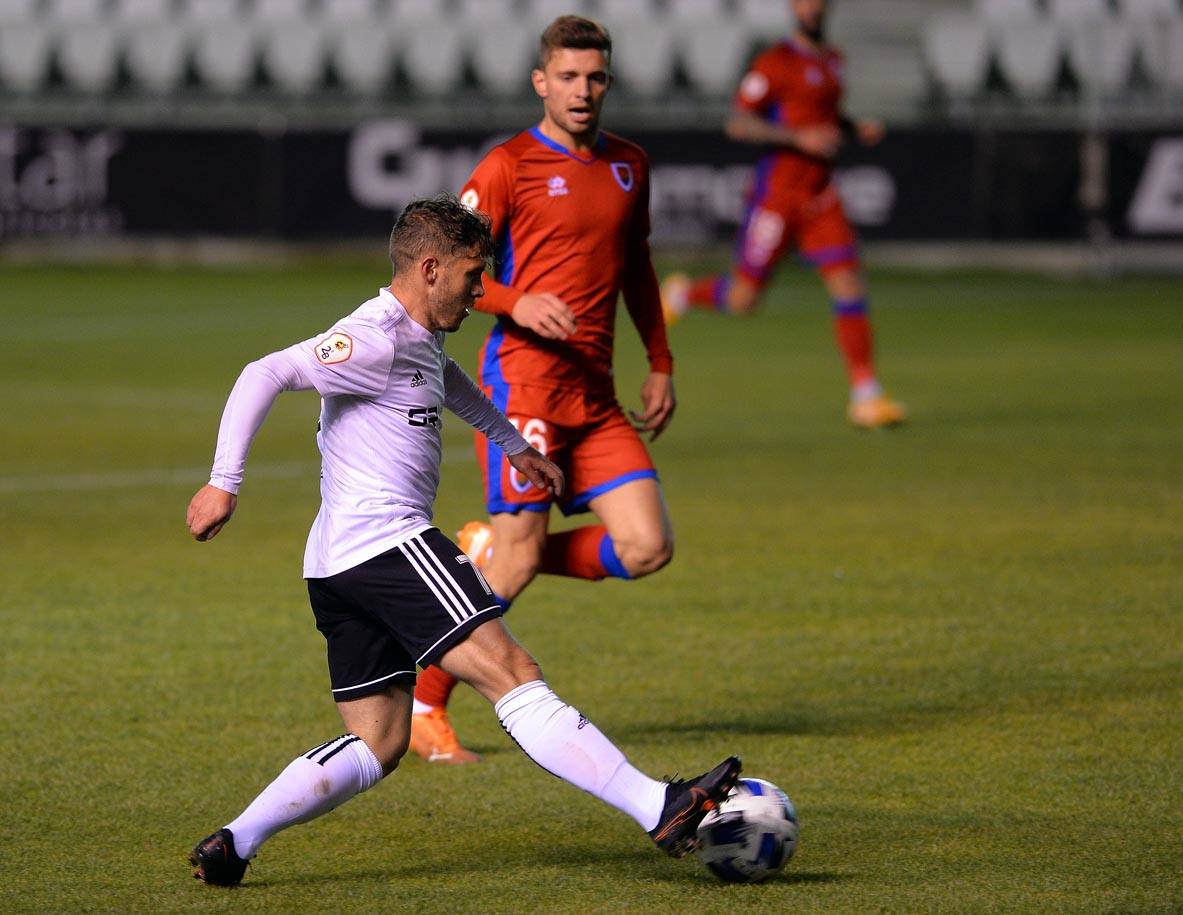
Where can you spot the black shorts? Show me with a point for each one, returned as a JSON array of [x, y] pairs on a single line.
[[410, 604]]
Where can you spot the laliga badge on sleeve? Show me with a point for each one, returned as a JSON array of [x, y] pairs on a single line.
[[334, 349]]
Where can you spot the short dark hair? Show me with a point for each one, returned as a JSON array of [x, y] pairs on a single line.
[[439, 225], [573, 32]]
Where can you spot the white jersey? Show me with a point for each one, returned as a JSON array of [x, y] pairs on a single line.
[[384, 381]]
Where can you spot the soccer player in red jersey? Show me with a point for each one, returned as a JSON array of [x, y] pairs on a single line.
[[790, 100], [569, 205]]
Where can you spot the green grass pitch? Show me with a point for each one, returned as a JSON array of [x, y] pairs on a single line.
[[957, 645]]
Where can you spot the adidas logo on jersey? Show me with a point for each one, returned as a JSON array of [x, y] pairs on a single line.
[[417, 380], [557, 186]]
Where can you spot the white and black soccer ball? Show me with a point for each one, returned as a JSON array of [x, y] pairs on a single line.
[[751, 835]]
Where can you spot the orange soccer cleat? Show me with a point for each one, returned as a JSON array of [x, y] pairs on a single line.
[[876, 412], [433, 738], [476, 540], [675, 297]]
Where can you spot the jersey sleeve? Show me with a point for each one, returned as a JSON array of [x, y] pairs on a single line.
[[466, 400], [642, 295], [352, 357], [490, 190], [756, 89]]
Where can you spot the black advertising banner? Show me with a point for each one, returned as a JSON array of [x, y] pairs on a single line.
[[314, 185]]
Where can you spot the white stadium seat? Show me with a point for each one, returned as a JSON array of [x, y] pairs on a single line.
[[25, 54], [69, 11], [349, 11], [206, 11], [1073, 11], [363, 56], [224, 56], [1029, 55], [643, 55], [1149, 9], [540, 12], [140, 12], [156, 54], [88, 55], [957, 49], [627, 11], [433, 56], [483, 11], [714, 56], [1003, 10], [696, 9], [1173, 66], [1101, 54], [271, 11], [765, 17], [13, 12], [293, 55], [416, 11], [502, 55]]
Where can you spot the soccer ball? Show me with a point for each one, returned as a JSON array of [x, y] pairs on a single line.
[[751, 835]]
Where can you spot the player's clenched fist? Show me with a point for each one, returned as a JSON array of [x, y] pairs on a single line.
[[538, 470], [209, 510], [545, 314]]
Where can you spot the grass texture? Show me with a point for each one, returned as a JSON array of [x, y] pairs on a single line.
[[958, 645]]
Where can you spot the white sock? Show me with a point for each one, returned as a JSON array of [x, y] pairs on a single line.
[[420, 708], [566, 744], [313, 784], [865, 390]]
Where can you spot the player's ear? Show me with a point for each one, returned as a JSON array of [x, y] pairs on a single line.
[[429, 269], [538, 78]]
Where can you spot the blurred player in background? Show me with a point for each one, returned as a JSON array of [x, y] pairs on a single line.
[[570, 210], [790, 101]]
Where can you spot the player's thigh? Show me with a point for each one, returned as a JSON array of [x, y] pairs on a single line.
[[507, 490], [490, 660], [637, 517], [518, 541], [829, 244], [768, 230], [607, 455]]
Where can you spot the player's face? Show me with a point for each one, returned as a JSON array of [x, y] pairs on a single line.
[[459, 283], [572, 87], [811, 17]]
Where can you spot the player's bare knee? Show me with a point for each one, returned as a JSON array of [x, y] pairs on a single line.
[[646, 556]]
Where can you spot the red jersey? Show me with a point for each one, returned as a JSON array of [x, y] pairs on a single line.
[[576, 226], [796, 87]]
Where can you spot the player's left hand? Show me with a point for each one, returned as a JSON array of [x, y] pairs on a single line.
[[869, 133], [535, 467], [657, 405]]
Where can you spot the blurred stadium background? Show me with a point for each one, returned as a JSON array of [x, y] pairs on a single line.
[[1023, 132]]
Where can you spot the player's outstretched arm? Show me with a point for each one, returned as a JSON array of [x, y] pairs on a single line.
[[658, 403], [209, 510], [538, 470]]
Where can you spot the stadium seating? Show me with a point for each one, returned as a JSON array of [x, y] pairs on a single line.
[[156, 54], [433, 57], [88, 55], [362, 56], [1101, 53], [293, 55], [1074, 11], [25, 54], [1029, 55], [1004, 10], [224, 55], [502, 55], [643, 55], [957, 48]]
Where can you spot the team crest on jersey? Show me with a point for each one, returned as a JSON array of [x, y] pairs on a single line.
[[334, 349], [623, 173], [557, 186]]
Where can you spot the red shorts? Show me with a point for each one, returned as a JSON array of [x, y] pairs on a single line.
[[816, 225], [593, 444]]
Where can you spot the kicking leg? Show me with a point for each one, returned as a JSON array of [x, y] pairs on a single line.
[[563, 742]]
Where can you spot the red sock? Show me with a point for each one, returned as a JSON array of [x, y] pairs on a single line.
[[434, 686], [576, 553], [709, 293], [853, 332]]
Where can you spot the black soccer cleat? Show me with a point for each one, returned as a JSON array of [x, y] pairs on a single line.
[[216, 862], [687, 802]]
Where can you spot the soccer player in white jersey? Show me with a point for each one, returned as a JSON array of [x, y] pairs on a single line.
[[388, 590]]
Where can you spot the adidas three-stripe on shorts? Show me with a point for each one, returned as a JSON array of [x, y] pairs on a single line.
[[408, 605]]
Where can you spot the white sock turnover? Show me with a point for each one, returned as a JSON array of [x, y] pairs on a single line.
[[566, 744], [313, 784]]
